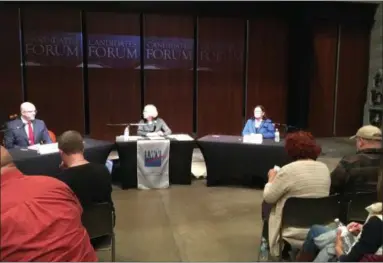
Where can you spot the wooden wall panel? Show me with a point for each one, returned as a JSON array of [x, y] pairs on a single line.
[[353, 78], [220, 76], [168, 65], [54, 79], [267, 68], [322, 90], [114, 77], [10, 68]]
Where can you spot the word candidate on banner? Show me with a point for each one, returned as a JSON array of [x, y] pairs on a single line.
[[153, 158]]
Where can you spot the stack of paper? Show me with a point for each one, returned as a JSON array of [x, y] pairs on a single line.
[[48, 148]]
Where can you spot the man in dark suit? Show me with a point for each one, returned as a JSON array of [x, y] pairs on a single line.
[[26, 130]]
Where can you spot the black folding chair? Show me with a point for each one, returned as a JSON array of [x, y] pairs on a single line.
[[362, 181], [356, 207], [98, 221], [305, 212]]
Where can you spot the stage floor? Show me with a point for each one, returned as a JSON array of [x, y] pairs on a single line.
[[197, 223]]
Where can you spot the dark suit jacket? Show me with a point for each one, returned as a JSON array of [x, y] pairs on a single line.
[[15, 135]]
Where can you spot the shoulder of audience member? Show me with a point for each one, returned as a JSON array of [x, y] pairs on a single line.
[[375, 222], [354, 159], [47, 182], [268, 121], [101, 168], [295, 166]]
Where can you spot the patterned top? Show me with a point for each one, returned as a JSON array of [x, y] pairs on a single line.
[[357, 172]]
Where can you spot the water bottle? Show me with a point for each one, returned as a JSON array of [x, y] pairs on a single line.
[[264, 251], [277, 137], [346, 236], [126, 133]]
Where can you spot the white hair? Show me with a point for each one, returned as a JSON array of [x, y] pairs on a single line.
[[150, 111], [26, 105]]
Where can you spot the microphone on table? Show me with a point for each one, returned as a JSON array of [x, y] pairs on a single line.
[[126, 125]]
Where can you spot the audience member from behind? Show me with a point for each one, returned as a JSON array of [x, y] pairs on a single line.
[[91, 182], [152, 125], [259, 124], [366, 246], [40, 219], [26, 130], [345, 178], [304, 177]]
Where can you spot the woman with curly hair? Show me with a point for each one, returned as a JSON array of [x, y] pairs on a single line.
[[303, 177]]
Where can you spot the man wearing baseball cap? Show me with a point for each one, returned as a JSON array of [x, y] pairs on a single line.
[[359, 172]]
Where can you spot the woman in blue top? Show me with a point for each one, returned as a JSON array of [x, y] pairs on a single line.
[[259, 124]]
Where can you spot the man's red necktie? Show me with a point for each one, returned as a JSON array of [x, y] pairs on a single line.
[[31, 136]]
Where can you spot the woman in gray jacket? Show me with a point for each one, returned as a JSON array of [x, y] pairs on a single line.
[[151, 125]]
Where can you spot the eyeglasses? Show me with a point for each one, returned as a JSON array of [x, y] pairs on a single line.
[[30, 111]]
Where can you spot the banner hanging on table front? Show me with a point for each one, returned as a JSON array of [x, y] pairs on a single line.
[[153, 164]]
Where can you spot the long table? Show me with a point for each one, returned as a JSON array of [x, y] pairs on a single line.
[[229, 161], [180, 161], [30, 162]]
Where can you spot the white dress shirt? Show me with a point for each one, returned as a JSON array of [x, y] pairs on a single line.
[[26, 127]]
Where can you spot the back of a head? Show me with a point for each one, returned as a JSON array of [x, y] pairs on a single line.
[[301, 145], [150, 111], [369, 133], [6, 158], [71, 142]]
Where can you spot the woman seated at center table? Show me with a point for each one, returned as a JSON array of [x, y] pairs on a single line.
[[152, 125], [259, 124]]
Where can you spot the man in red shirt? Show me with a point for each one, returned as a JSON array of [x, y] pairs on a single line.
[[40, 219]]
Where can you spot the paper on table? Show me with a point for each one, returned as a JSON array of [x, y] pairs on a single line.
[[121, 138], [48, 148], [156, 138], [135, 138], [34, 147], [181, 137]]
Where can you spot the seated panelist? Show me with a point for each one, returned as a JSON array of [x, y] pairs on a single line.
[[151, 125], [26, 130], [260, 124]]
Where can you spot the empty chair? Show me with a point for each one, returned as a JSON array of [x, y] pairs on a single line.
[[98, 221]]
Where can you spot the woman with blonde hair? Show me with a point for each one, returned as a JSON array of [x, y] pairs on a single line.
[[151, 124]]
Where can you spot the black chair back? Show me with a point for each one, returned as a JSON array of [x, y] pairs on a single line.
[[356, 208], [98, 220], [305, 212]]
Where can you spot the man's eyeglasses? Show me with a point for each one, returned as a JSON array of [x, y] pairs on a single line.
[[30, 111]]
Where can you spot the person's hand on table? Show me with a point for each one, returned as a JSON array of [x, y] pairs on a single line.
[[354, 228], [271, 175], [339, 244], [160, 133]]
